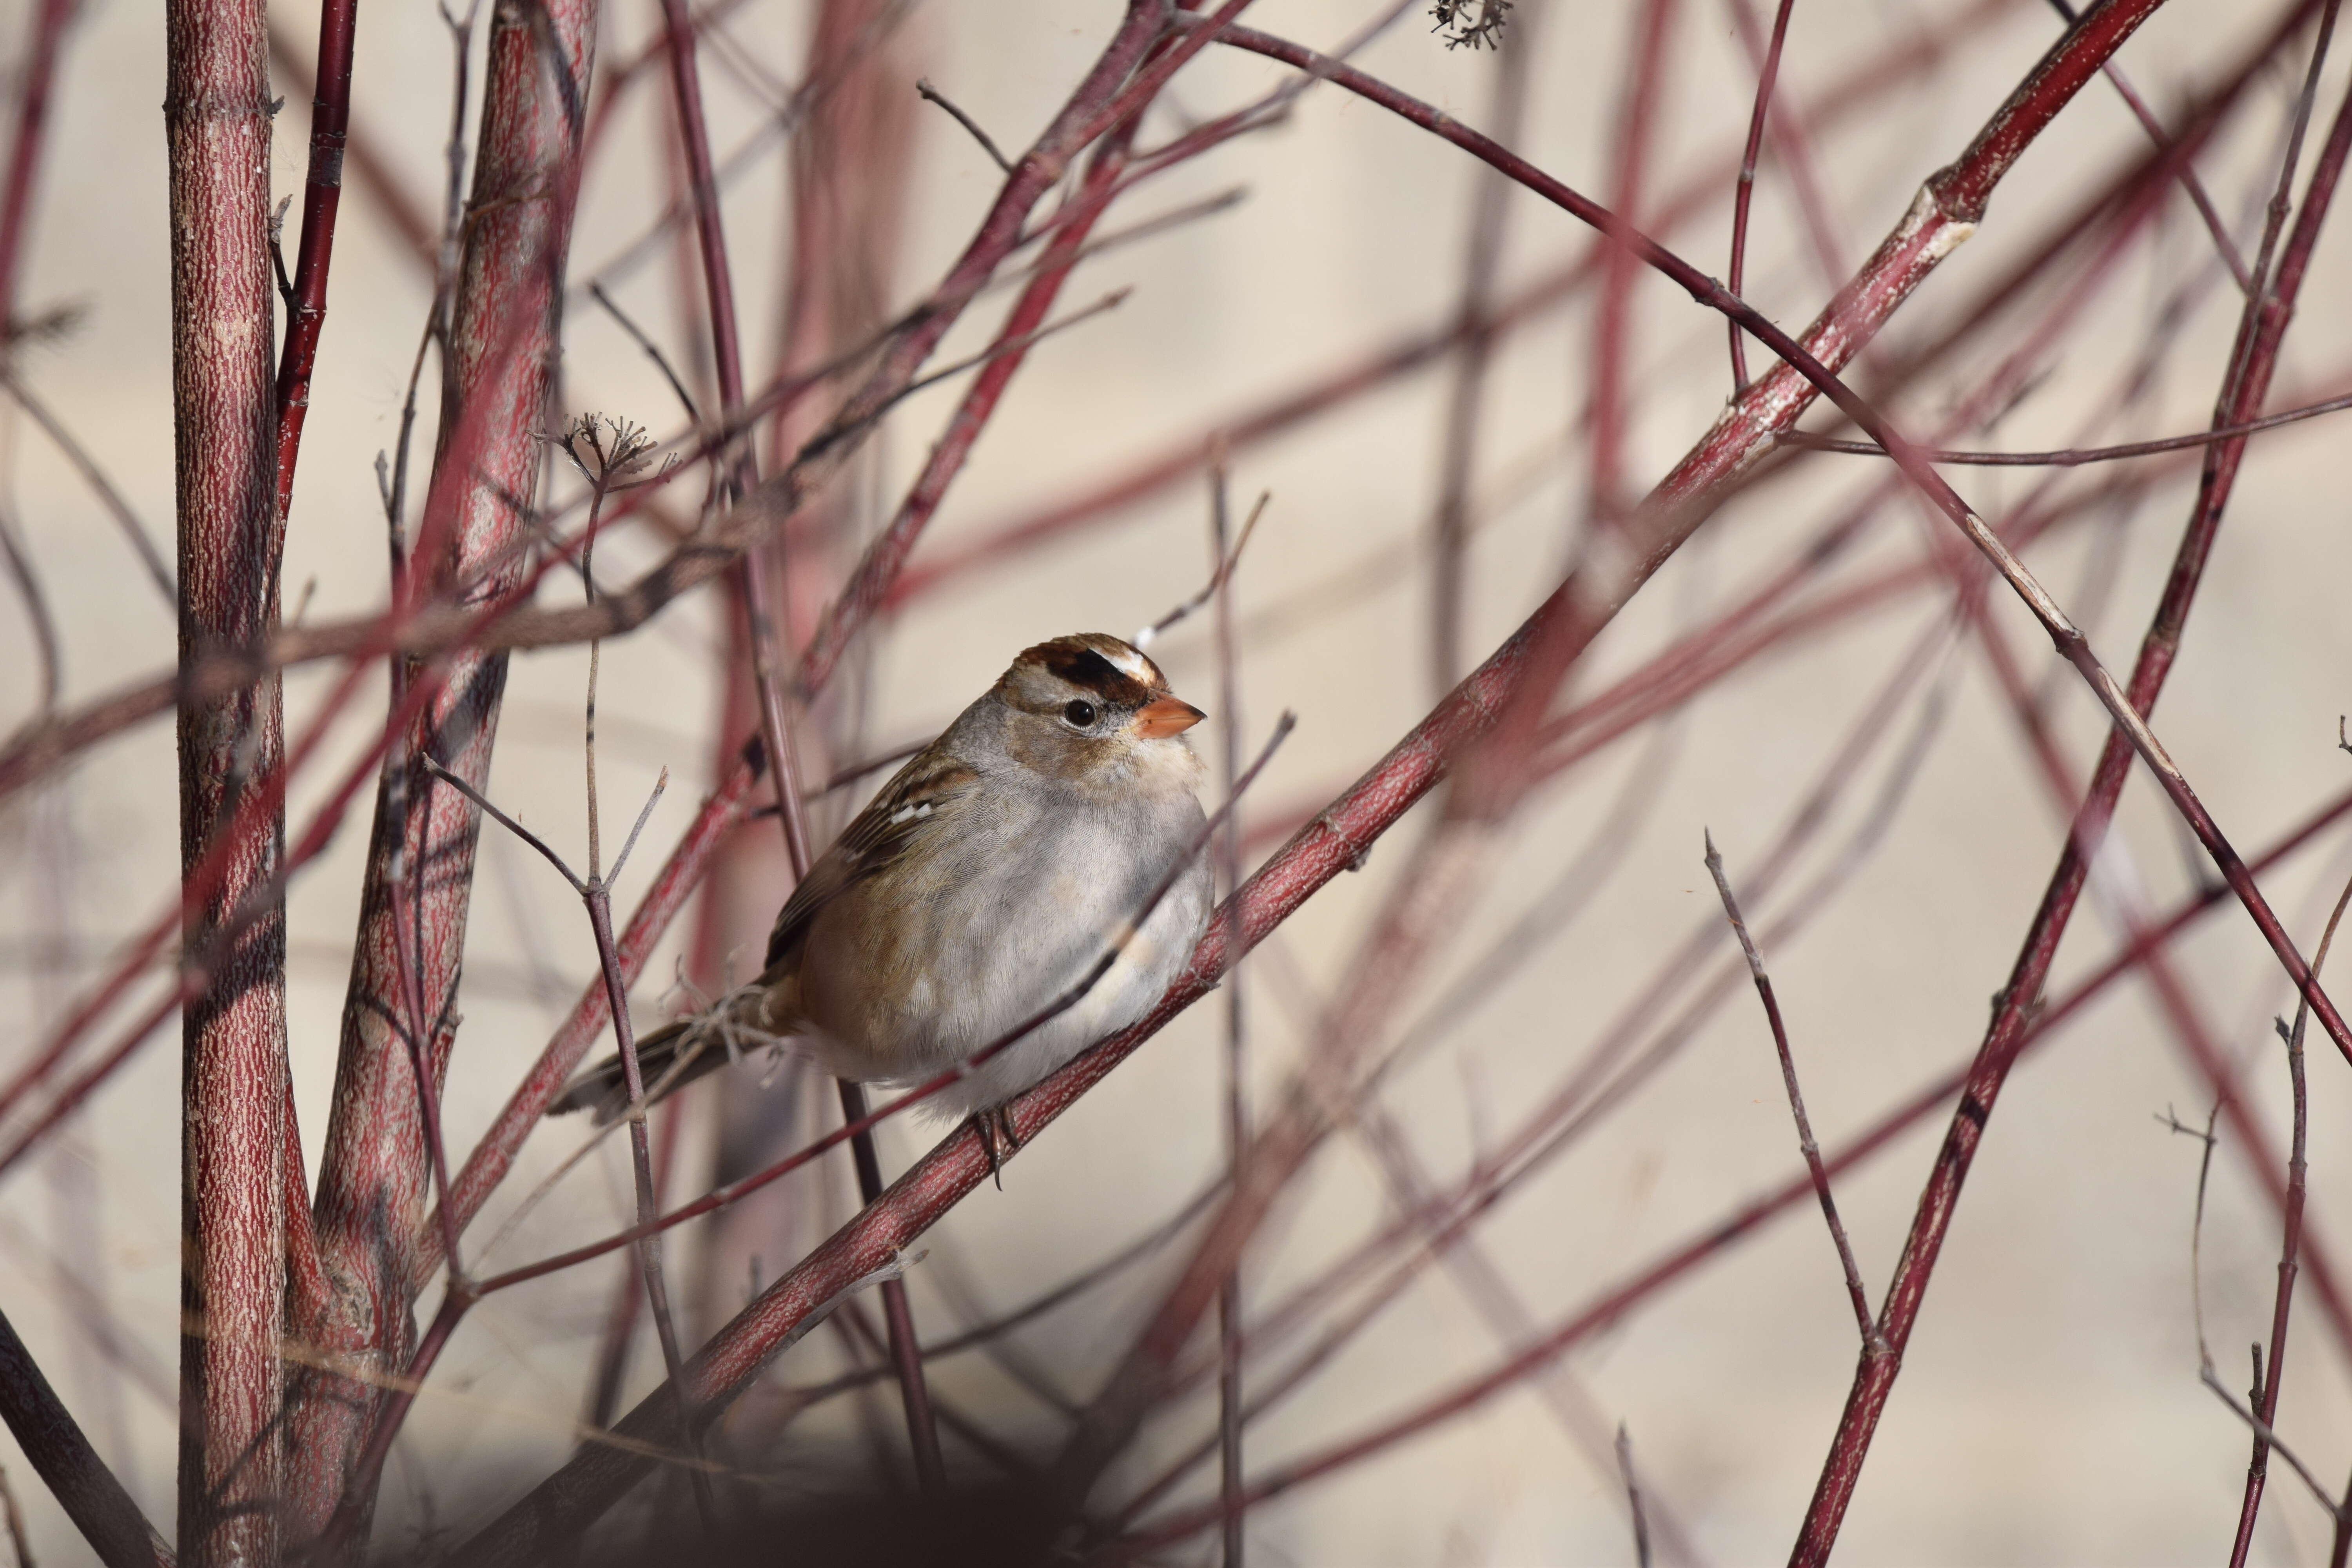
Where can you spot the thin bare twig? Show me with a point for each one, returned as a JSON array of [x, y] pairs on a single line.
[[1874, 1341], [2261, 1430], [2068, 457], [596, 894], [1221, 570], [653, 351], [2290, 1247], [930, 94]]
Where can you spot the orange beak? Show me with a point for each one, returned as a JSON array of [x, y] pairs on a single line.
[[1168, 716]]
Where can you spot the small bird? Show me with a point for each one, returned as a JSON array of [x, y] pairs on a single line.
[[985, 879]]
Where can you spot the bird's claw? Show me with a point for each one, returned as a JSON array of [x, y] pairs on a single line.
[[990, 1124]]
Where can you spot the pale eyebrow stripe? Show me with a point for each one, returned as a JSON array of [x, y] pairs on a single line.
[[1131, 663]]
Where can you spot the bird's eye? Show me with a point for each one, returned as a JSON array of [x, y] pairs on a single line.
[[1080, 715]]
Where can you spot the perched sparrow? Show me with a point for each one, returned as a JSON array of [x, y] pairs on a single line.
[[983, 880]]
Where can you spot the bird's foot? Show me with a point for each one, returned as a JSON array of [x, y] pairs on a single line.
[[993, 1123]]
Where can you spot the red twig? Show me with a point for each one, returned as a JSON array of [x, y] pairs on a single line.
[[306, 306], [374, 178], [233, 1220]]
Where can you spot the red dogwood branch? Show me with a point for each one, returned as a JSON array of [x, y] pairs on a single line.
[[306, 306], [2262, 329], [232, 1219], [1407, 773], [503, 336]]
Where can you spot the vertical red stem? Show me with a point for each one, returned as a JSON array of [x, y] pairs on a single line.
[[306, 316], [233, 1197]]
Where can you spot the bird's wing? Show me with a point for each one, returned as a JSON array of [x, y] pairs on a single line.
[[892, 822]]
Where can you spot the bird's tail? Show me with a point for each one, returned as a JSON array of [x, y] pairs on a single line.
[[672, 1057]]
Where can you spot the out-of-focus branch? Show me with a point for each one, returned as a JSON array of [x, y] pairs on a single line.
[[1476, 328], [36, 78], [65, 1461], [37, 748]]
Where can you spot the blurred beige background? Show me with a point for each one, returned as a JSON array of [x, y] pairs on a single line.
[[2049, 1411]]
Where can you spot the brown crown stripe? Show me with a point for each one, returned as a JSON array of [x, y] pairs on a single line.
[[1074, 660]]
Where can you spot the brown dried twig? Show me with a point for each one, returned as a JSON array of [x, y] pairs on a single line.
[[1874, 1343]]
